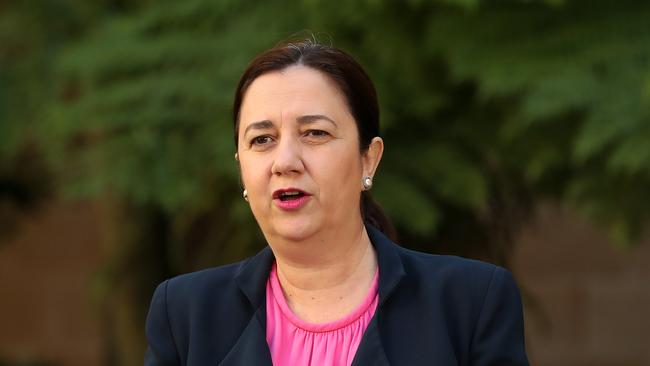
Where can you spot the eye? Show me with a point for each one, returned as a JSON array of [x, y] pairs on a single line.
[[261, 140], [317, 133]]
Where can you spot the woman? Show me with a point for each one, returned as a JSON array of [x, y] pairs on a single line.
[[330, 288]]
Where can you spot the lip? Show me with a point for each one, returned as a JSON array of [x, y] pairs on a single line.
[[293, 204]]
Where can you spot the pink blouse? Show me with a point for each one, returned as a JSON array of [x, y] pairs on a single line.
[[295, 342]]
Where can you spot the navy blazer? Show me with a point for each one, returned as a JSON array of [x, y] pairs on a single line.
[[433, 310]]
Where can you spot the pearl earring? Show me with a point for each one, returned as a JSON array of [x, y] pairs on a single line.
[[245, 194], [367, 183]]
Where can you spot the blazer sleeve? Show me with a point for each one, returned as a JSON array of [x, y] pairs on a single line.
[[161, 350], [499, 335]]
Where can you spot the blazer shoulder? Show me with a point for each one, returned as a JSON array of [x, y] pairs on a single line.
[[205, 279], [185, 289], [179, 304], [461, 279], [447, 264], [480, 301]]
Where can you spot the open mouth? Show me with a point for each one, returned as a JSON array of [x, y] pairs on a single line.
[[290, 195], [290, 199]]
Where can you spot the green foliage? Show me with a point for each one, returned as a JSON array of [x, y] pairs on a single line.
[[550, 97], [590, 60]]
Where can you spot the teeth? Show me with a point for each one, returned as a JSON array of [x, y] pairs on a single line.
[[289, 195]]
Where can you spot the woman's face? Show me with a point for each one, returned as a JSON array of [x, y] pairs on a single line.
[[299, 154]]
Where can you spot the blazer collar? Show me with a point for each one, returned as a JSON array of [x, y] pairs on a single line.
[[251, 347], [391, 269], [252, 275]]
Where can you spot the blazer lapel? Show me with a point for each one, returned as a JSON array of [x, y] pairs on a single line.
[[370, 351], [251, 347], [391, 271]]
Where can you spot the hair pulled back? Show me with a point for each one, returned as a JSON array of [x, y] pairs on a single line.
[[350, 78]]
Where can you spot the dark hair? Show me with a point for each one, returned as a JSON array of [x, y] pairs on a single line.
[[351, 80]]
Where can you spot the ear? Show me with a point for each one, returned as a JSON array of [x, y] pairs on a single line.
[[372, 157], [241, 181]]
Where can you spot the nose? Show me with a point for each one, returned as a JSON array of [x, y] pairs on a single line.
[[288, 158]]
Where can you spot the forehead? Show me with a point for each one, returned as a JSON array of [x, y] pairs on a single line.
[[294, 91]]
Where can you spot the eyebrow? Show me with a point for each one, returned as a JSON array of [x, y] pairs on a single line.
[[302, 120], [311, 118], [261, 125]]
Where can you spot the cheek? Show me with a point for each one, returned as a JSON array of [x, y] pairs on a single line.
[[256, 183], [253, 175], [339, 174]]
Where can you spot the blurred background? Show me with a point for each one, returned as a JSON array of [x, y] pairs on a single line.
[[517, 132]]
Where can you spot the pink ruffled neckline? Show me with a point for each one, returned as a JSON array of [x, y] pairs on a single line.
[[353, 316]]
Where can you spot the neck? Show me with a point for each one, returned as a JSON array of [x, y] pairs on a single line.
[[330, 284], [335, 265], [325, 259]]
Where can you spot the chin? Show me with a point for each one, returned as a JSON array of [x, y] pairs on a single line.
[[295, 230]]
